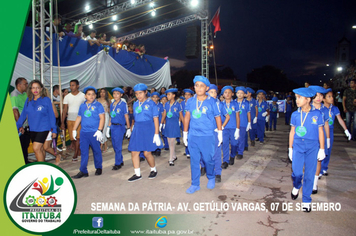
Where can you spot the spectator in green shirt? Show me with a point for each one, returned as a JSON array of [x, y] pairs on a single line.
[[18, 98]]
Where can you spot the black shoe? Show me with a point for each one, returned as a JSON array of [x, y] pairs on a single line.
[[217, 178], [134, 178], [274, 129], [246, 149], [224, 165], [325, 173], [270, 129], [202, 171], [98, 171], [252, 143], [184, 154], [166, 149], [152, 175], [178, 143], [142, 159], [122, 164], [188, 156], [315, 191], [80, 175], [158, 153], [307, 209], [175, 159], [231, 161], [171, 163], [294, 196], [116, 167], [257, 139], [264, 135], [261, 142], [239, 157]]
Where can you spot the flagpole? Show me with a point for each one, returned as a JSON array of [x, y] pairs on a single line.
[[216, 74]]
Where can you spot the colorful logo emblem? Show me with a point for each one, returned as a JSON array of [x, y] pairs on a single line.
[[39, 197], [40, 108], [97, 222], [146, 107], [161, 222], [314, 120], [301, 131], [196, 114]]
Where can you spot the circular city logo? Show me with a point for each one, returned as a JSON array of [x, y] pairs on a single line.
[[39, 197]]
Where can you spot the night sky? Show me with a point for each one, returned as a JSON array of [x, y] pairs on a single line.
[[299, 37]]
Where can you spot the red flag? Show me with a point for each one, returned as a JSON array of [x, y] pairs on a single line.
[[216, 21]]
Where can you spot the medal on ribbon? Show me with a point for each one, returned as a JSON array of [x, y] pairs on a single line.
[[169, 114], [301, 131], [87, 113], [112, 114], [196, 114]]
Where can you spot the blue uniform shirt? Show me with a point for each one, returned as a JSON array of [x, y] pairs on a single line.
[[39, 114], [230, 109], [90, 116], [172, 112], [160, 111], [182, 104], [333, 111], [223, 112], [273, 108], [289, 106], [262, 107], [310, 129], [118, 112], [243, 108], [202, 121], [253, 105], [324, 111], [146, 112]]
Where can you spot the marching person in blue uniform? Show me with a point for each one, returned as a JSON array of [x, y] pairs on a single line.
[[118, 117], [39, 113], [213, 92], [254, 113], [201, 114], [231, 126], [171, 119], [333, 112], [317, 104], [145, 132], [155, 97], [262, 115], [91, 116], [306, 145], [188, 93], [288, 109], [163, 99], [243, 108], [274, 113]]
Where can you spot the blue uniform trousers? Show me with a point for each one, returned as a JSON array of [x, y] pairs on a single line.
[[287, 116], [87, 140], [228, 138], [273, 118], [253, 132], [325, 162], [165, 141], [201, 147], [240, 147], [261, 129], [246, 140], [217, 157], [305, 154], [117, 136]]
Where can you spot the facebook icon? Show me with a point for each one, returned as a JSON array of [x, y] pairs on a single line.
[[98, 222]]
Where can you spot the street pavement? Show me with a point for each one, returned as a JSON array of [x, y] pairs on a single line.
[[250, 200]]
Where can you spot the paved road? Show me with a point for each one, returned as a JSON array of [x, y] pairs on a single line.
[[260, 181]]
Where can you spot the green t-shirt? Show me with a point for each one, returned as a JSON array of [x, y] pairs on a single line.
[[18, 100]]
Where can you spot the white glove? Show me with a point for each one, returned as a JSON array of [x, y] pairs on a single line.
[[164, 126], [290, 154], [108, 132], [327, 143], [160, 127], [277, 115], [237, 134], [220, 137], [74, 133], [132, 127], [267, 118], [321, 154], [185, 138], [128, 133], [179, 123], [157, 140], [99, 135], [264, 114], [248, 126], [254, 120], [348, 135], [285, 110]]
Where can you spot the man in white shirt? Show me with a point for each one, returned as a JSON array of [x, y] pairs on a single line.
[[91, 38], [71, 104]]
